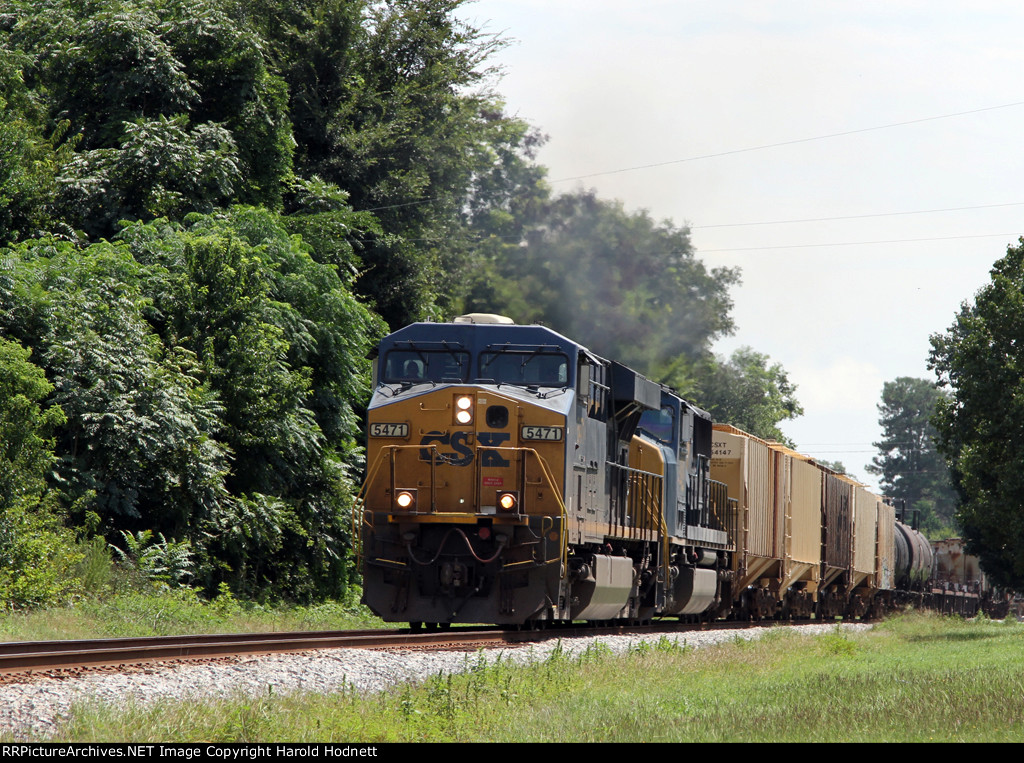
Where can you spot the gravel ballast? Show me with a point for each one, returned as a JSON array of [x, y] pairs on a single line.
[[33, 710]]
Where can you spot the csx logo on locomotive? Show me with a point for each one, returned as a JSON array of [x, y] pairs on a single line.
[[461, 454]]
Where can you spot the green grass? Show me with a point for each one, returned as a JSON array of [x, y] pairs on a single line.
[[155, 612], [125, 598], [914, 678]]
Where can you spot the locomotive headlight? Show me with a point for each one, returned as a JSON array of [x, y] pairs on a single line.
[[507, 500], [464, 410], [406, 499]]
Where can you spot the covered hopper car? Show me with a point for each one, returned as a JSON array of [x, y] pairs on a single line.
[[514, 477]]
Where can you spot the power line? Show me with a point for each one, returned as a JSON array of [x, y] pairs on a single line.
[[741, 151], [700, 251], [866, 216], [786, 143], [858, 243], [859, 217]]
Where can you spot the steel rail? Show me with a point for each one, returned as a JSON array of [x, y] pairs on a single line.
[[20, 657], [39, 656]]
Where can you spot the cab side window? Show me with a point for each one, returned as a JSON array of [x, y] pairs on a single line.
[[598, 392]]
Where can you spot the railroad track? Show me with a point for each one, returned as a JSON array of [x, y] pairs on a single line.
[[29, 656], [57, 657]]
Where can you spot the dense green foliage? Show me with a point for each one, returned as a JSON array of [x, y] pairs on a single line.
[[169, 108], [208, 372], [180, 186], [748, 393], [981, 422], [36, 554], [210, 211], [910, 466], [27, 159], [164, 107], [390, 102], [26, 451]]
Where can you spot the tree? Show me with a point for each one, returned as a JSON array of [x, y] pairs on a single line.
[[909, 463], [210, 373], [27, 159], [980, 424], [211, 356], [166, 107], [748, 393], [160, 168], [282, 343], [36, 554], [140, 83], [26, 428], [137, 444], [837, 466], [390, 102], [618, 282]]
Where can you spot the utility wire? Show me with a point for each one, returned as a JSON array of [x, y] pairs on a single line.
[[698, 250], [859, 217], [735, 151], [786, 143], [857, 243], [793, 221]]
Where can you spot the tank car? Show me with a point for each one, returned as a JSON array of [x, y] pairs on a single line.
[[514, 476], [914, 559]]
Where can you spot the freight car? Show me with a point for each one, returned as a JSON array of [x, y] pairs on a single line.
[[957, 584], [809, 540], [513, 477]]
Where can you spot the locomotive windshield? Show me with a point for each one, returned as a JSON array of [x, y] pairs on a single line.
[[426, 366], [659, 424], [541, 369]]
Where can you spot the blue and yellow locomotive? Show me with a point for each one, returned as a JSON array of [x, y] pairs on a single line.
[[513, 476]]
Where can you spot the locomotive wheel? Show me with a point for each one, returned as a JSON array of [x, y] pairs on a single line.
[[415, 626]]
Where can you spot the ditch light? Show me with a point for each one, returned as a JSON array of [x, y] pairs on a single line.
[[507, 501], [405, 499]]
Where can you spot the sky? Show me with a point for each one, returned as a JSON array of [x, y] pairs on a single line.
[[861, 163]]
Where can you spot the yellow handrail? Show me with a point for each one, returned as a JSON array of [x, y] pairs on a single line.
[[659, 518], [357, 535]]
